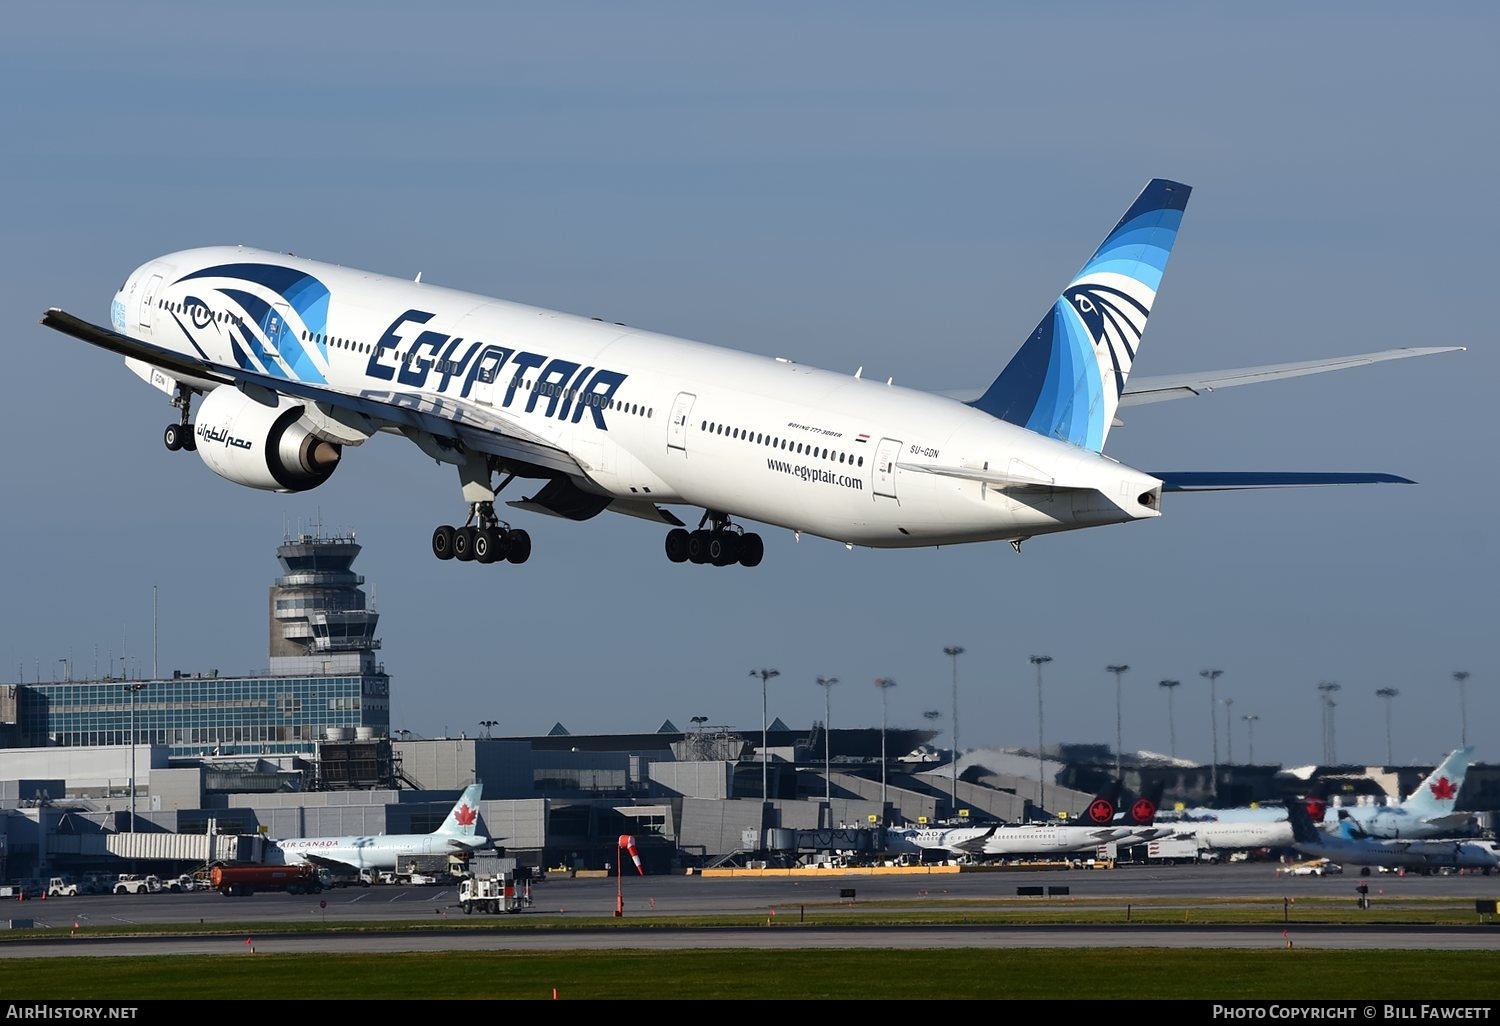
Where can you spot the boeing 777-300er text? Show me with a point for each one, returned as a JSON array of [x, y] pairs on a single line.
[[457, 836], [296, 360]]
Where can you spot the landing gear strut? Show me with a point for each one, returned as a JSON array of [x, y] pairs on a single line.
[[723, 544], [180, 435]]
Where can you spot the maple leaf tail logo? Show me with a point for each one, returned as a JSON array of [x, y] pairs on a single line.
[[1443, 790], [464, 815], [1144, 810], [1101, 811]]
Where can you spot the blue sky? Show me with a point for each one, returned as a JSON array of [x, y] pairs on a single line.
[[903, 189]]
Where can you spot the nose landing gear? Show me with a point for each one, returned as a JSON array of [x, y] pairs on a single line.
[[180, 435]]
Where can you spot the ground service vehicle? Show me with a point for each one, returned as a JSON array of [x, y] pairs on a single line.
[[241, 881], [498, 893], [185, 882], [132, 883], [62, 887]]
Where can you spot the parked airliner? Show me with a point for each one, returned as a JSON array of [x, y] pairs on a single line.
[[1427, 812], [1099, 824], [1349, 847], [457, 836], [296, 359]]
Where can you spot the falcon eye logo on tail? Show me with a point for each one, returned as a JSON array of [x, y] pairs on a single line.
[[1066, 379]]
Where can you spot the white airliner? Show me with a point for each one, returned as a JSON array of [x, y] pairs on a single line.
[[457, 836], [1348, 847], [1099, 824], [317, 357], [1427, 812]]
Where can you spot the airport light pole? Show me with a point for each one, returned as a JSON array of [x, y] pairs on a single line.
[[1463, 709], [1170, 686], [884, 684], [764, 676], [827, 683], [489, 727], [1327, 688], [1229, 728], [1387, 694], [1117, 670], [132, 688], [953, 652], [1250, 719], [1039, 661], [1212, 676]]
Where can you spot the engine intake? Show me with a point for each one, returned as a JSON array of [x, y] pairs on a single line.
[[262, 445]]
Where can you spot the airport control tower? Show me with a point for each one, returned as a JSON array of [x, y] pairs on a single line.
[[320, 623]]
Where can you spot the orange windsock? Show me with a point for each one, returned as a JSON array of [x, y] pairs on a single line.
[[627, 843]]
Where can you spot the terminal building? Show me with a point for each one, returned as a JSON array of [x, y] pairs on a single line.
[[180, 770]]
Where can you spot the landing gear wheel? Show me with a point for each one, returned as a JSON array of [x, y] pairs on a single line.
[[723, 548], [442, 542], [463, 544], [520, 547], [487, 547], [175, 437], [698, 547], [752, 550], [677, 545]]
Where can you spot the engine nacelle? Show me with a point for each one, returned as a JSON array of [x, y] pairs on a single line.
[[266, 445]]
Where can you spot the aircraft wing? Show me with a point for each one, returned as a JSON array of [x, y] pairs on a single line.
[[486, 431], [332, 865], [1140, 390]]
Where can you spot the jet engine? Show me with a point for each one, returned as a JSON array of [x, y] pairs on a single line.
[[263, 440]]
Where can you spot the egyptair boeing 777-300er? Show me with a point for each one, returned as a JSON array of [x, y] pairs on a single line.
[[457, 836], [296, 360]]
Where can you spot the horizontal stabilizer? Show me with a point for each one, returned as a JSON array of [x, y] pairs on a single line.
[[1223, 481]]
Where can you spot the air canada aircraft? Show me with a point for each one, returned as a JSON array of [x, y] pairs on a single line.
[[1097, 825], [1348, 846], [1427, 812], [457, 836], [295, 360]]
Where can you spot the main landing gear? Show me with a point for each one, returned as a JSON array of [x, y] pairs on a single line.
[[180, 435], [724, 544], [482, 539]]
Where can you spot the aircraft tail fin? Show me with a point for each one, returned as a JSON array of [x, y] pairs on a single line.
[[464, 815], [1142, 811], [1066, 379], [1101, 810], [1304, 830], [1436, 796]]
